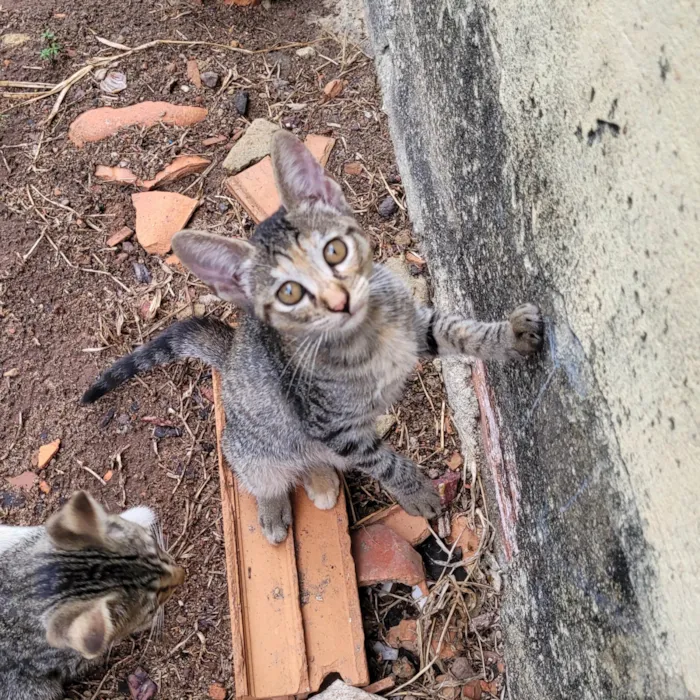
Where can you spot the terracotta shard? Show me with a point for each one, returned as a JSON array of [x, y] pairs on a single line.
[[255, 187], [467, 538], [381, 555], [98, 124], [193, 73], [24, 481], [47, 453], [181, 167], [243, 3], [412, 528], [123, 234], [380, 686], [122, 176], [159, 216]]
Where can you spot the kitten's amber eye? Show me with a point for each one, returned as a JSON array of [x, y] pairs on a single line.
[[290, 293], [335, 251]]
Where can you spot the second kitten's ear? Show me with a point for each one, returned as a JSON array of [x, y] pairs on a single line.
[[225, 264], [79, 524], [301, 181], [85, 626]]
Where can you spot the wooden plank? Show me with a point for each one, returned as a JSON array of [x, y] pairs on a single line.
[[330, 606], [266, 622]]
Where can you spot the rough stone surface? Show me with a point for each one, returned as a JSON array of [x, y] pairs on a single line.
[[252, 147], [385, 423], [550, 153]]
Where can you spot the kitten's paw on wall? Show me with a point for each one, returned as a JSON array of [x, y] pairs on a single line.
[[528, 329], [322, 487]]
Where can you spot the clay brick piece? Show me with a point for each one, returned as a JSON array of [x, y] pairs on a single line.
[[24, 481], [123, 234], [159, 216], [122, 176], [255, 188], [97, 124], [413, 528], [47, 453], [380, 686], [404, 636], [468, 539], [381, 555], [193, 73], [182, 166]]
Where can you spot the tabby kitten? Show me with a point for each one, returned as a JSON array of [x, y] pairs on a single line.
[[326, 345], [70, 589]]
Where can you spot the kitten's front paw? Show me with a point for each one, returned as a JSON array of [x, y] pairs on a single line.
[[425, 501], [275, 516], [322, 488], [528, 329]]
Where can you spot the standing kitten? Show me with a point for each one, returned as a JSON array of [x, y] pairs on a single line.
[[327, 343], [72, 588]]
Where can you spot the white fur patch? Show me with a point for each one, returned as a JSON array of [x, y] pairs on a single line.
[[141, 515], [11, 535]]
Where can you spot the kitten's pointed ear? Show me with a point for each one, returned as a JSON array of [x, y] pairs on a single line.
[[225, 264], [85, 626], [79, 524], [301, 181]]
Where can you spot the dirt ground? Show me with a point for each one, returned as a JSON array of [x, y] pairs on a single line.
[[70, 305]]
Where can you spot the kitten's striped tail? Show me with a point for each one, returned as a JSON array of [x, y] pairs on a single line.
[[206, 339]]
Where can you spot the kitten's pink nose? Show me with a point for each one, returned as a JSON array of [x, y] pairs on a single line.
[[336, 299]]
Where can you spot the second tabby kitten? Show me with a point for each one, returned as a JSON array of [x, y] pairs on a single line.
[[328, 340]]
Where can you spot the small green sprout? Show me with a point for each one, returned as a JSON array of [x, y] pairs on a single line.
[[52, 49]]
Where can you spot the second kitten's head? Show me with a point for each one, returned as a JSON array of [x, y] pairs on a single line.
[[306, 269], [106, 576]]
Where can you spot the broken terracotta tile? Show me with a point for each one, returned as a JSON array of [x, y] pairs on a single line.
[[24, 481], [382, 555], [455, 461], [123, 234], [173, 261], [447, 487], [243, 3], [97, 124], [193, 73], [404, 636], [380, 686], [467, 538], [108, 475], [354, 168], [121, 176], [255, 187], [217, 691], [472, 690], [47, 453], [159, 216], [252, 147], [413, 528], [182, 166], [269, 655], [330, 605], [334, 88], [214, 140], [44, 487]]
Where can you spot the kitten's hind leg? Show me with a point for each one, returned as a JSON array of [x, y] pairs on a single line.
[[322, 486], [275, 517]]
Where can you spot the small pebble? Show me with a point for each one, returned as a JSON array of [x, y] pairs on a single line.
[[142, 274], [306, 52], [387, 207], [162, 431], [224, 207], [106, 419], [210, 79], [240, 102], [123, 419], [128, 247]]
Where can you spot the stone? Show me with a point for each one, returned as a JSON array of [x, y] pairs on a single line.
[[47, 453], [387, 207], [447, 487], [141, 687], [102, 122], [462, 668], [159, 216], [123, 234], [13, 39], [417, 285], [381, 555], [403, 669], [143, 276], [182, 166], [210, 79], [306, 52], [24, 481], [240, 102], [385, 423], [252, 147]]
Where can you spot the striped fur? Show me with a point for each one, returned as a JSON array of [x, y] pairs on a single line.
[[303, 384], [70, 589]]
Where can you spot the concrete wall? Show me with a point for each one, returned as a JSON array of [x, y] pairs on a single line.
[[551, 152]]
